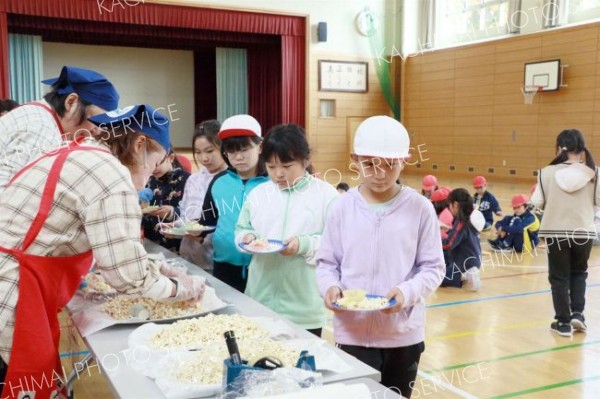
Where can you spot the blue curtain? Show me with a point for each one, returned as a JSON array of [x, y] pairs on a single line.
[[232, 82], [26, 65]]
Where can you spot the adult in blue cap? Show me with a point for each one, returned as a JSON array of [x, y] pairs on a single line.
[[38, 127], [60, 211], [151, 145]]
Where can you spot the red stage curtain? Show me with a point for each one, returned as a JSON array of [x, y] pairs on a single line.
[[205, 86], [293, 79], [159, 15], [264, 85], [277, 92]]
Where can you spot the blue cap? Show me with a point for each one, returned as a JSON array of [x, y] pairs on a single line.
[[141, 118], [146, 195], [89, 85]]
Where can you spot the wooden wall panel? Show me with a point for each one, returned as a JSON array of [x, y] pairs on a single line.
[[328, 136], [465, 103]]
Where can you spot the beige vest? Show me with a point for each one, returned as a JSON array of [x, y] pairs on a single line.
[[567, 215]]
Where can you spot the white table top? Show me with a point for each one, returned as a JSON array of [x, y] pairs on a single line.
[[378, 391], [109, 346]]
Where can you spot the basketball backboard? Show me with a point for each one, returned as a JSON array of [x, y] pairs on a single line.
[[544, 74]]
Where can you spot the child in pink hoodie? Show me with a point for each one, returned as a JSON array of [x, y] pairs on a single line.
[[439, 199], [384, 238]]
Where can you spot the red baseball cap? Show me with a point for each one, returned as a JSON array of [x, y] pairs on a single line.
[[479, 181], [429, 183], [518, 200], [439, 195]]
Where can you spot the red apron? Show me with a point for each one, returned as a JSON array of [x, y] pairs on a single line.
[[46, 284]]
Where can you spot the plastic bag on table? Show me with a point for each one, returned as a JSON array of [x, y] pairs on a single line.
[[262, 383]]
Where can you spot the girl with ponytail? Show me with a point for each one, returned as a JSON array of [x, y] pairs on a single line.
[[462, 244], [567, 192]]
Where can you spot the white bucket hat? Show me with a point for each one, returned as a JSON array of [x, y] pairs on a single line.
[[381, 136], [240, 126]]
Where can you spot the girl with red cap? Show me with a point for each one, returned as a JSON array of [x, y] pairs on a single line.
[[518, 232], [439, 199]]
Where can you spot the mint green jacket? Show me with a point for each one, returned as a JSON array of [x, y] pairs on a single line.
[[287, 284]]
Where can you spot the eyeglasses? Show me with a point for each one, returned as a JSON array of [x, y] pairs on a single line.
[[477, 188]]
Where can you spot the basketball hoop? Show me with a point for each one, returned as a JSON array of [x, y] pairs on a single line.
[[529, 92]]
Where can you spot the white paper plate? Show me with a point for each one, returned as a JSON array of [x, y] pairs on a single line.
[[273, 247]]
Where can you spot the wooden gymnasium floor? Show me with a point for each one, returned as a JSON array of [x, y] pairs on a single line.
[[495, 343]]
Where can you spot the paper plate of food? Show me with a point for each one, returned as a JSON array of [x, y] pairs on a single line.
[[195, 228], [173, 232], [150, 209], [357, 300], [263, 246]]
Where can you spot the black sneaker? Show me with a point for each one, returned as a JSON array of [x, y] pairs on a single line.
[[493, 242], [578, 322], [562, 329]]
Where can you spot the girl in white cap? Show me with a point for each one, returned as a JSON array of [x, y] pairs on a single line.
[[292, 208], [240, 137], [382, 237]]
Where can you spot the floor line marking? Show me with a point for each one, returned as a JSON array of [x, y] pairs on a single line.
[[513, 275], [491, 298], [546, 387], [514, 356], [449, 387], [509, 327]]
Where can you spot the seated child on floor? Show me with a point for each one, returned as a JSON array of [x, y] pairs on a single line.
[[518, 231], [485, 202], [439, 199], [462, 245]]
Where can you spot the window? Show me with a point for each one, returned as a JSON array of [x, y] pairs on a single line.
[[326, 108], [583, 10], [462, 21]]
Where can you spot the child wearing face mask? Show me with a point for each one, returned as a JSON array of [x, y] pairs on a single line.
[[384, 238], [208, 158], [519, 231], [292, 208], [240, 137], [167, 184]]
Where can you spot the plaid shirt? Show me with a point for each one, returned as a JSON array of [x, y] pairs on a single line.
[[25, 133], [95, 207]]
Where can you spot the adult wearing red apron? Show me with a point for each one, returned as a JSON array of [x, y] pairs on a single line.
[[46, 284]]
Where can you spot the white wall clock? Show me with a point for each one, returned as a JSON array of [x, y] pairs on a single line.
[[366, 23]]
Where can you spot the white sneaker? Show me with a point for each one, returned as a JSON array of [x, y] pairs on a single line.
[[473, 279]]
